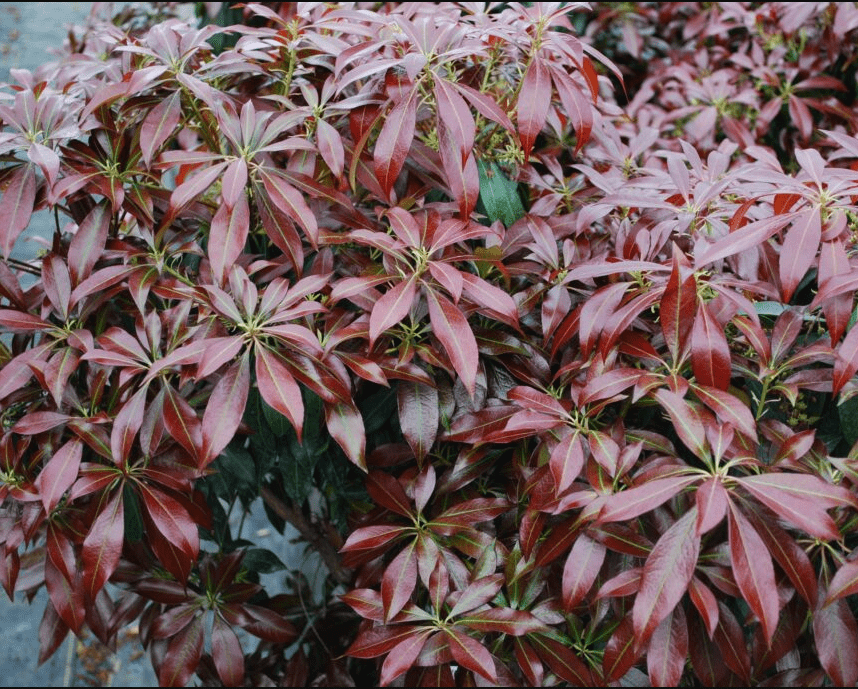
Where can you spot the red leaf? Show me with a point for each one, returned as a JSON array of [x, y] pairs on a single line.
[[399, 580], [799, 499], [468, 513], [58, 475], [278, 388], [666, 575], [159, 125], [745, 238], [833, 260], [454, 115], [87, 245], [224, 410], [710, 353], [846, 360], [504, 621], [385, 490], [789, 555], [402, 656], [711, 504], [175, 528], [16, 206], [181, 421], [182, 656], [66, 596], [678, 305], [102, 547], [52, 633], [799, 250], [371, 537], [227, 654], [471, 654], [227, 236], [476, 594], [668, 650], [754, 572], [705, 602], [566, 461], [608, 384], [394, 140], [843, 583], [836, 634], [189, 190], [634, 502], [730, 640], [376, 641], [582, 567], [345, 424], [686, 420], [562, 661], [621, 651], [125, 427], [330, 145], [289, 201], [451, 327], [21, 322], [419, 415], [39, 422], [534, 100], [729, 409], [261, 622], [393, 306]]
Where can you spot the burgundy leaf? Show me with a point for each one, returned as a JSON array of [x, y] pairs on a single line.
[[394, 140], [471, 654], [678, 306], [634, 502], [393, 306], [278, 388], [582, 567], [534, 100], [159, 125], [418, 416], [668, 650], [227, 654], [102, 546], [399, 580], [754, 572], [666, 575], [451, 327], [224, 410], [59, 474], [710, 353], [87, 245], [402, 656], [182, 656], [799, 250], [566, 461], [16, 206], [836, 634], [345, 424]]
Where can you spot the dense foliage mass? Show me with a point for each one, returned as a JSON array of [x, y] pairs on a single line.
[[535, 320]]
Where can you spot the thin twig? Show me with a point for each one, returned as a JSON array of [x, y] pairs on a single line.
[[310, 533]]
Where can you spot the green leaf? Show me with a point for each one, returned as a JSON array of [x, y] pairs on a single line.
[[262, 561], [296, 467], [278, 423], [499, 199], [848, 412], [238, 465], [133, 518]]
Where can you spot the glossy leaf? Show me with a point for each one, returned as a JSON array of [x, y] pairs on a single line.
[[666, 575]]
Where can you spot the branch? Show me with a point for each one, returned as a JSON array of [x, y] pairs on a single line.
[[313, 533]]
